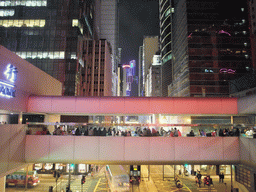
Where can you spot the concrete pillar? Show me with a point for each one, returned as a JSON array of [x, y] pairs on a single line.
[[51, 118], [217, 169], [107, 120], [2, 184], [30, 167], [20, 118], [192, 169], [156, 119]]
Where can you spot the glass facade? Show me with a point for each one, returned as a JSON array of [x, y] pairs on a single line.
[[96, 76], [48, 35], [35, 3], [210, 47], [166, 10]]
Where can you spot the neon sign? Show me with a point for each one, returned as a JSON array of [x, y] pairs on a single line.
[[225, 70], [221, 32], [7, 88], [126, 66], [11, 73]]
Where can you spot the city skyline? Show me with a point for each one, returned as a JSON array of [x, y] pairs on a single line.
[[138, 18]]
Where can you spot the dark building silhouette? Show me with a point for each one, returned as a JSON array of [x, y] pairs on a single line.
[[166, 11], [48, 34], [210, 46]]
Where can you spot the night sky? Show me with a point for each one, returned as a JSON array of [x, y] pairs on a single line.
[[137, 18]]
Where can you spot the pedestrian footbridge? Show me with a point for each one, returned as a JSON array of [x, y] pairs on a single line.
[[131, 150], [19, 149]]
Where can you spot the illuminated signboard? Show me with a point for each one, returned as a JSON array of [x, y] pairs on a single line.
[[221, 32], [126, 66], [225, 70], [7, 87]]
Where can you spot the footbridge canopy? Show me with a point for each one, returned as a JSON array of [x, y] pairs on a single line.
[[131, 105]]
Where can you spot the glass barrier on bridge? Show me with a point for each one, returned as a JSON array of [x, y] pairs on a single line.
[[141, 130]]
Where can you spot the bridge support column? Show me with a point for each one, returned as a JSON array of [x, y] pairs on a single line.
[[192, 169], [51, 119], [217, 169], [2, 184], [148, 172], [20, 118]]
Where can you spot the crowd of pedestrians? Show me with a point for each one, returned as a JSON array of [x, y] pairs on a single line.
[[102, 131], [140, 132]]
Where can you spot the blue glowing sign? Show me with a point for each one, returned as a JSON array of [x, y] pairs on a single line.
[[11, 73], [7, 91], [7, 88]]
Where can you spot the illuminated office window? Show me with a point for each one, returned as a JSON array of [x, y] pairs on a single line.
[[73, 56], [32, 3], [75, 23], [23, 23], [42, 55], [6, 12]]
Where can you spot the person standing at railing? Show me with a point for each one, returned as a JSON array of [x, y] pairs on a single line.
[[192, 134], [77, 132], [176, 133], [104, 132], [86, 131], [179, 133], [109, 131], [161, 132], [45, 131], [91, 132], [114, 131], [221, 133], [203, 134], [237, 132], [214, 133]]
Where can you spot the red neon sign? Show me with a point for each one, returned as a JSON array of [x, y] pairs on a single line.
[[221, 31], [225, 70]]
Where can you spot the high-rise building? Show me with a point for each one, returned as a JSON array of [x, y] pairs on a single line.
[[150, 47], [252, 22], [119, 74], [166, 11], [140, 72], [129, 79], [106, 25], [210, 46], [49, 35], [153, 81], [96, 75]]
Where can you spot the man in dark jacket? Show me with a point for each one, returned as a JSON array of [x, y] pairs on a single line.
[[78, 132], [199, 175]]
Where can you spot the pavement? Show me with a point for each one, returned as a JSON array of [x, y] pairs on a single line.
[[190, 183]]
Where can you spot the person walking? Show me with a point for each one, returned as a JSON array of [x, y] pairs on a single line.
[[222, 178], [199, 176]]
